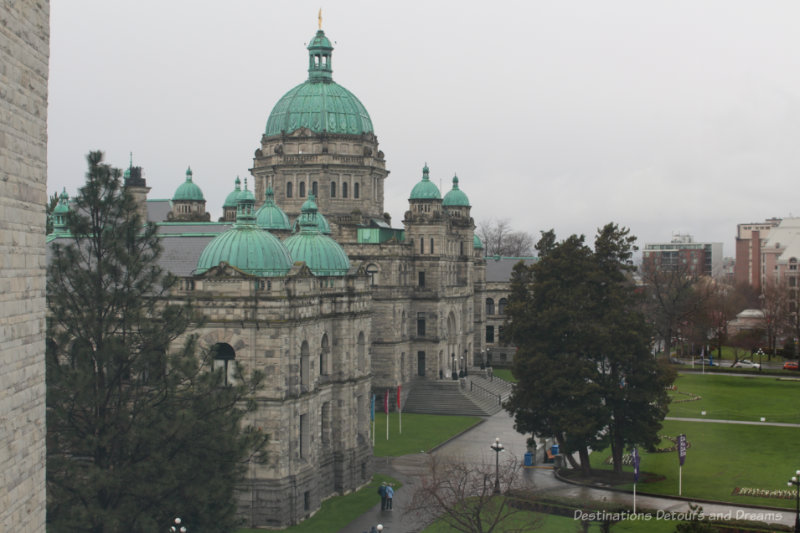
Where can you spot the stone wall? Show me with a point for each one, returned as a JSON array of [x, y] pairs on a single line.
[[24, 54]]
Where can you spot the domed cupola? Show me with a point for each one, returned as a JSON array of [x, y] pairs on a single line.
[[269, 216], [319, 103], [322, 255], [188, 203], [59, 215], [425, 189], [476, 242], [246, 246], [455, 197], [188, 190], [232, 201]]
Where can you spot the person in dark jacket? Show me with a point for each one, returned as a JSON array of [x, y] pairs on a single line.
[[382, 492]]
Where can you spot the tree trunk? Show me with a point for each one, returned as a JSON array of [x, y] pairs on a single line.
[[571, 460], [586, 467]]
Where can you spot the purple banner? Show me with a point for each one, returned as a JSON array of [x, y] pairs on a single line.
[[682, 448], [636, 460]]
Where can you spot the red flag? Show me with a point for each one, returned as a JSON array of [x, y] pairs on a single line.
[[398, 397], [386, 402]]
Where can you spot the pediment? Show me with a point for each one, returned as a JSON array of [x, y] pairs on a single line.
[[223, 270]]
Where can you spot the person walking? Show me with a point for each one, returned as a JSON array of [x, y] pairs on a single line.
[[389, 496], [382, 492]]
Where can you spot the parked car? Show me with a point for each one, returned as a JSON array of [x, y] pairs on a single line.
[[746, 363], [791, 365], [676, 361], [706, 362]]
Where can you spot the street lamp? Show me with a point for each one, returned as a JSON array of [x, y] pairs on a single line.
[[796, 482], [760, 356], [178, 528], [497, 447]]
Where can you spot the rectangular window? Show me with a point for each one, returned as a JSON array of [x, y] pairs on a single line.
[[307, 500], [432, 245], [489, 333], [422, 245], [421, 324], [304, 436], [421, 279]]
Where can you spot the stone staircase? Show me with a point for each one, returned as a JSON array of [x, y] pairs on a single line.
[[473, 395]]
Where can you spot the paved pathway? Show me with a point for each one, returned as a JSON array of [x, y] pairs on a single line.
[[474, 446], [745, 422]]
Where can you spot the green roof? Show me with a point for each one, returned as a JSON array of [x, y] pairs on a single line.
[[319, 103], [246, 246], [476, 242], [425, 189], [59, 214], [455, 197], [322, 255], [232, 200], [188, 191], [269, 215]]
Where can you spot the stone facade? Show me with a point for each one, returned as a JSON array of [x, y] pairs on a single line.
[[24, 54]]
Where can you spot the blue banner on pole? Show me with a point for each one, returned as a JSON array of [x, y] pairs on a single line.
[[372, 408], [636, 460], [682, 448]]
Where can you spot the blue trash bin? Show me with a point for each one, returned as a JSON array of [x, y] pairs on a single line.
[[528, 459], [554, 449]]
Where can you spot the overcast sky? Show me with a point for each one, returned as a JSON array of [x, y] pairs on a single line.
[[680, 116]]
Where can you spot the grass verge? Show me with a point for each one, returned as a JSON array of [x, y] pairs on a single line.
[[421, 433]]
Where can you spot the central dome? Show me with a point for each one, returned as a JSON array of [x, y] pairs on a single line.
[[319, 104]]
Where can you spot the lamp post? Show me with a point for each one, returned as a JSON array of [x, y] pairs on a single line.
[[178, 528], [796, 482], [497, 447], [760, 356]]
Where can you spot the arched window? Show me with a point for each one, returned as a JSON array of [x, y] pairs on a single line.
[[223, 357], [314, 187], [325, 422], [288, 189], [489, 306], [501, 306], [333, 189], [301, 189], [344, 189], [355, 190]]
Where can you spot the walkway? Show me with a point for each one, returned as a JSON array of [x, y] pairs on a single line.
[[474, 446]]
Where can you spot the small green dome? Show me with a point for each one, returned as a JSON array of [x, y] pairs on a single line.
[[269, 215], [319, 104], [322, 223], [322, 255], [246, 246], [476, 242], [62, 206], [59, 214], [232, 200], [425, 189], [455, 197], [188, 191]]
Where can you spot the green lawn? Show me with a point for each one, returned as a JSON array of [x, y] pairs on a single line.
[[421, 433], [504, 373], [738, 398], [720, 458], [339, 511]]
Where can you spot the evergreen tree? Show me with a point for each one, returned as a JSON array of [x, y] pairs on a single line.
[[138, 429], [584, 369]]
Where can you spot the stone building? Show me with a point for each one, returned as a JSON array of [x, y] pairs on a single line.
[[24, 54], [307, 281]]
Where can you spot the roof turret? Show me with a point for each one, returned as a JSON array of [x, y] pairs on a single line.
[[425, 189], [322, 255], [188, 191], [232, 200], [455, 197], [59, 214], [476, 242], [269, 215]]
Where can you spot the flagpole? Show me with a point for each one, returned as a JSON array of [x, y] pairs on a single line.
[[634, 498], [680, 479], [399, 410], [386, 410]]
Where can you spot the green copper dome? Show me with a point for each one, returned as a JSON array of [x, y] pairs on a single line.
[[269, 215], [476, 242], [188, 191], [456, 197], [232, 200], [319, 104], [246, 246], [425, 189], [59, 214], [322, 255], [322, 224]]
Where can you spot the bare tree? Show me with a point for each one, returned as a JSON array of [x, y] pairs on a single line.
[[775, 305], [499, 239], [461, 494]]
